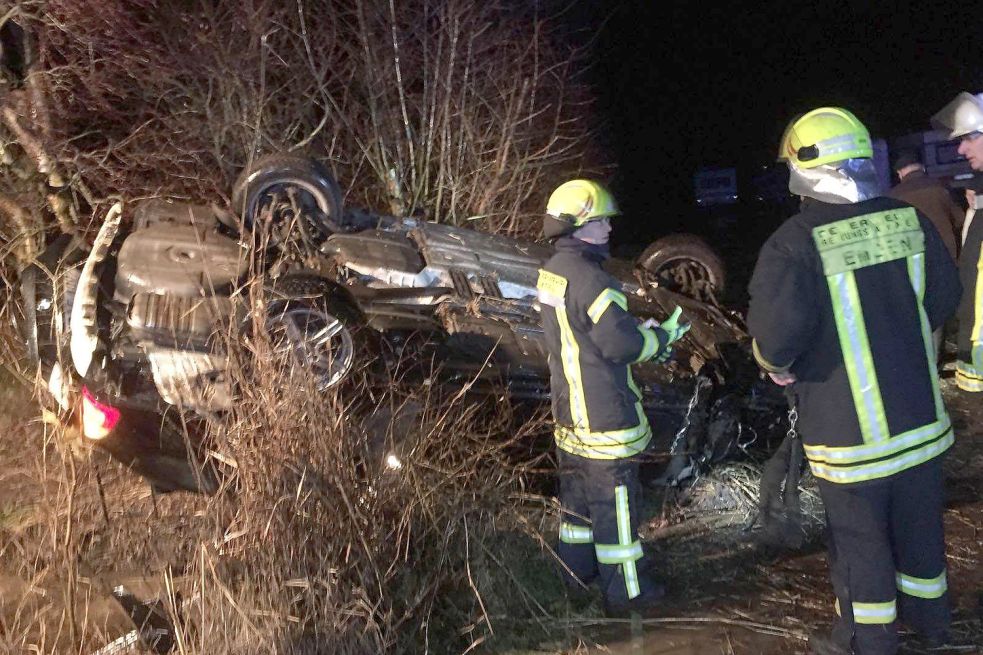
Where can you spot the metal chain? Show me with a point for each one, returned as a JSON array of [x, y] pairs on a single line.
[[700, 383]]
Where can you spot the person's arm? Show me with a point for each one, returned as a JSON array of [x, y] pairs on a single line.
[[972, 277], [783, 311], [957, 216], [942, 287], [618, 334]]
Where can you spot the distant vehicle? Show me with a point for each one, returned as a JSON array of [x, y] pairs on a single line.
[[939, 154], [129, 329], [715, 186]]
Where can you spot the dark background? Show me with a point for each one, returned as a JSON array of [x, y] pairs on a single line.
[[687, 84]]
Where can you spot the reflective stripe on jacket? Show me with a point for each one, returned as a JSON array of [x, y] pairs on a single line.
[[846, 297], [969, 367], [592, 340]]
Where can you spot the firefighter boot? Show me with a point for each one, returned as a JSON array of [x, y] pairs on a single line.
[[644, 603], [937, 639]]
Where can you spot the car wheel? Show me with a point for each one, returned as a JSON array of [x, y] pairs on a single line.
[[312, 324], [281, 195], [685, 264], [315, 337]]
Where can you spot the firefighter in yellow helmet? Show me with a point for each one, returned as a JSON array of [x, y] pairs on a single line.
[[592, 342], [844, 298], [963, 119]]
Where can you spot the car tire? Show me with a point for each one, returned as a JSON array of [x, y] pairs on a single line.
[[269, 176], [683, 263]]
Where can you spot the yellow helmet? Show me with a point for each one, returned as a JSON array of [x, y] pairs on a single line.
[[824, 136], [578, 202]]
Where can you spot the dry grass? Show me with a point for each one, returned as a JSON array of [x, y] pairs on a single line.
[[314, 544]]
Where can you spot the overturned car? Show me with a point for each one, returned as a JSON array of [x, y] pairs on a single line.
[[128, 330]]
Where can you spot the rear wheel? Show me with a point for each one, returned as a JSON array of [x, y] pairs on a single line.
[[685, 264]]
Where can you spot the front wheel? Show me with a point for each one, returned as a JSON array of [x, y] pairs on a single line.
[[685, 264], [315, 338], [313, 327]]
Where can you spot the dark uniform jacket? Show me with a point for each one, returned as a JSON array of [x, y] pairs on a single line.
[[846, 297], [592, 340], [969, 368], [930, 197]]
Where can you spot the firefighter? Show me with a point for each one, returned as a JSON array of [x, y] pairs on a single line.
[[600, 427], [963, 119], [844, 298]]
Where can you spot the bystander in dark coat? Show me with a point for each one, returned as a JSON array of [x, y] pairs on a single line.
[[930, 197]]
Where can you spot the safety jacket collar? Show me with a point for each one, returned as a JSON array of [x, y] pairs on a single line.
[[594, 252], [809, 203]]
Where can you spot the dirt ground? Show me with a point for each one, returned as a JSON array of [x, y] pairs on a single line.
[[727, 594], [734, 597]]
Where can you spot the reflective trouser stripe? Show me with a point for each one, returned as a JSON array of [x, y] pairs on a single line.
[[928, 588], [570, 358], [968, 377], [627, 551], [916, 272], [618, 554], [857, 356], [875, 613], [571, 533], [625, 537]]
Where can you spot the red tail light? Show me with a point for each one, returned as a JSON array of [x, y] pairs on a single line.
[[98, 419]]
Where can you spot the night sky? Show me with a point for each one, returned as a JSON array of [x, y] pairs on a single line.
[[685, 84]]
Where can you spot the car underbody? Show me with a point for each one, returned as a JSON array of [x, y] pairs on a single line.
[[152, 310]]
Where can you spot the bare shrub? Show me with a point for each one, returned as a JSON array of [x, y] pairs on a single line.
[[355, 536], [464, 110]]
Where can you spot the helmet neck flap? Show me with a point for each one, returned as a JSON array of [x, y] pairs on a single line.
[[843, 182]]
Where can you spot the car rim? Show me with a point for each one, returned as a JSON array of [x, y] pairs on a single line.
[[316, 340], [684, 275]]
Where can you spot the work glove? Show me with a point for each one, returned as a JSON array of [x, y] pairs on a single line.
[[674, 332], [673, 327]]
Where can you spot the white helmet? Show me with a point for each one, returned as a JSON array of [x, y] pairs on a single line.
[[962, 116]]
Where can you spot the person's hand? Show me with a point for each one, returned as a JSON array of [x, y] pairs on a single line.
[[783, 379], [672, 327]]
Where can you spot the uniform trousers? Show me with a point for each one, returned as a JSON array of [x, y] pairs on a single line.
[[887, 558], [599, 527]]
